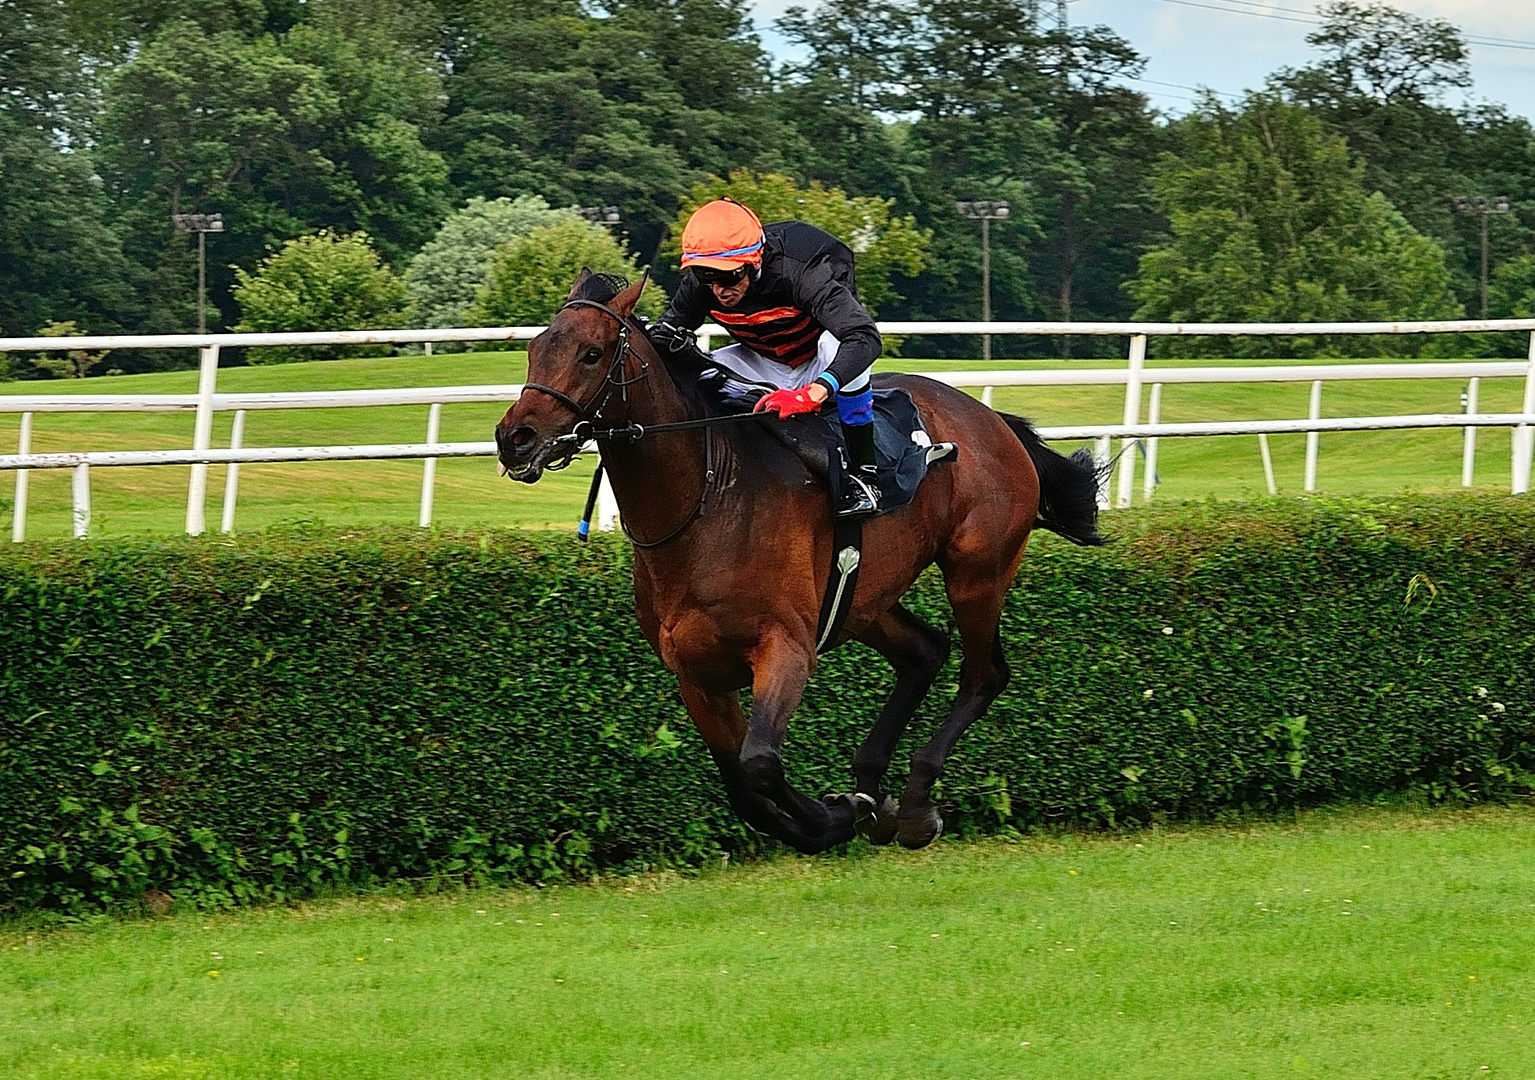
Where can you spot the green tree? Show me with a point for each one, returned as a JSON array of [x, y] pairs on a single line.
[[530, 277], [883, 245], [60, 258], [993, 106], [1271, 223], [627, 103], [1096, 214], [444, 277], [1378, 52], [831, 97], [319, 282], [1380, 83], [1511, 294], [972, 76], [283, 136]]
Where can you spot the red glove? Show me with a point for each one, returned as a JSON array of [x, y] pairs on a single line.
[[788, 403]]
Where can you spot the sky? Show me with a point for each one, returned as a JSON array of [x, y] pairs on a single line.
[[1233, 45]]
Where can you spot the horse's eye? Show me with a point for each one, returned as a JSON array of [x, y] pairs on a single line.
[[591, 355]]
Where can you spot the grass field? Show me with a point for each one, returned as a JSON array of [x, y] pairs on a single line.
[[470, 493], [1355, 944]]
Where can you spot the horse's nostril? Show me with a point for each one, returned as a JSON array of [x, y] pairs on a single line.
[[522, 436]]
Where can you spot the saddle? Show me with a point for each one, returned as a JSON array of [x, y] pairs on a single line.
[[903, 449]]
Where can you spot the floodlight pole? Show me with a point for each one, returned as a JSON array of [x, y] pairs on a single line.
[[202, 282], [202, 225], [601, 215], [986, 213], [1481, 205]]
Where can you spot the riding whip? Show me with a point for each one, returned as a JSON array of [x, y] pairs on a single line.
[[583, 529]]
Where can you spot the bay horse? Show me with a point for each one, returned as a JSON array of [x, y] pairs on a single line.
[[733, 543]]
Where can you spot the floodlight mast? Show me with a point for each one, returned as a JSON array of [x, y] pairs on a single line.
[[1481, 206], [601, 215], [985, 213], [202, 225]]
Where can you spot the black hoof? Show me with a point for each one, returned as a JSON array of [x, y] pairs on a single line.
[[879, 827], [859, 807], [918, 828]]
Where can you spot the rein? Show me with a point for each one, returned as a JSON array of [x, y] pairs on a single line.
[[584, 431]]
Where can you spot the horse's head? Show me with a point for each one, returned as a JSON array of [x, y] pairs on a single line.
[[577, 368]]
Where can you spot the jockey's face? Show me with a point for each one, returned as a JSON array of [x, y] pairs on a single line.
[[730, 296]]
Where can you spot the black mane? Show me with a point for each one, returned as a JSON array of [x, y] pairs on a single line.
[[599, 287], [685, 367]]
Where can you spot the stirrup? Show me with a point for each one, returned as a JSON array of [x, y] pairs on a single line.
[[860, 498]]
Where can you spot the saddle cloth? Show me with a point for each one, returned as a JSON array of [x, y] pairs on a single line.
[[903, 449]]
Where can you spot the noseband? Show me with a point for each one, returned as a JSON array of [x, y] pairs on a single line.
[[622, 350]]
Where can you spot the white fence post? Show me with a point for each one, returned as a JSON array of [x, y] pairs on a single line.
[[607, 505], [986, 395], [1132, 416], [1468, 455], [429, 472], [1268, 464], [1153, 416], [1101, 463], [232, 478], [19, 507], [80, 495], [1524, 434], [202, 439], [1313, 438]]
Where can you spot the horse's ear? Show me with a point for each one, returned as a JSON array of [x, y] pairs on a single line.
[[575, 290], [624, 302]]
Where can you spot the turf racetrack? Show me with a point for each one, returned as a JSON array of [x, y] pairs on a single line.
[[1360, 944]]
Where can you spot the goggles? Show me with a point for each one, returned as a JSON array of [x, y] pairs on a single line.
[[711, 275]]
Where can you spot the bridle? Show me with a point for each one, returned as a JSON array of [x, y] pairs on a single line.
[[585, 414], [584, 431]]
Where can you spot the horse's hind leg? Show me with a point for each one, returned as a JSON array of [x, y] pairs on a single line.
[[977, 588], [917, 651]]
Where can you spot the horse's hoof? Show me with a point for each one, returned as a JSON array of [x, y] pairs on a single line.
[[919, 828], [880, 827], [861, 805]]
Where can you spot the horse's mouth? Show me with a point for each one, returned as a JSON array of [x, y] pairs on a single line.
[[527, 470], [527, 473], [521, 452], [525, 462]]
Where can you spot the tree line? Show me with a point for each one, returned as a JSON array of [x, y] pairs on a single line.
[[410, 129]]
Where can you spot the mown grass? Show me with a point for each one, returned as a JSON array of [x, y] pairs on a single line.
[[469, 492], [1358, 944]]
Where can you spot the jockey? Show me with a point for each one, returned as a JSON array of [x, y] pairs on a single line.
[[787, 295]]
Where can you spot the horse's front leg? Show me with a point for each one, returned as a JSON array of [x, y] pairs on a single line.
[[722, 725], [780, 669]]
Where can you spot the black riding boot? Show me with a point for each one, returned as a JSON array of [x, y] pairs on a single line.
[[860, 480]]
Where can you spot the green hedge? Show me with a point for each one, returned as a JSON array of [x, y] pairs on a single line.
[[277, 714]]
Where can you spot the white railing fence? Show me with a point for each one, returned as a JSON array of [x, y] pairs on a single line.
[[1132, 433]]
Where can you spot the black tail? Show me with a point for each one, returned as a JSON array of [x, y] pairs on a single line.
[[1068, 487]]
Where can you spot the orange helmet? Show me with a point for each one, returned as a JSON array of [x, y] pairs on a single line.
[[722, 234]]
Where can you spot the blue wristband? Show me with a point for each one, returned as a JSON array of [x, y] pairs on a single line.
[[830, 380]]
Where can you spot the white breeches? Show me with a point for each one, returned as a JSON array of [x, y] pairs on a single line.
[[758, 368]]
